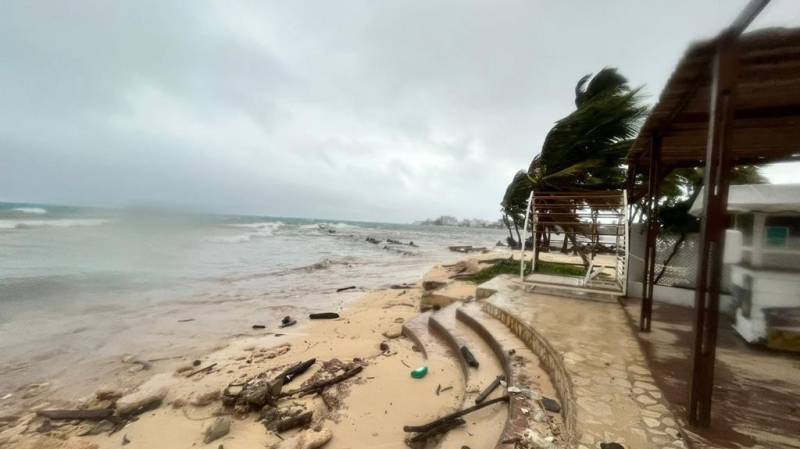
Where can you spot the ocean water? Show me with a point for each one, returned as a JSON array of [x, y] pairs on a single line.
[[80, 287]]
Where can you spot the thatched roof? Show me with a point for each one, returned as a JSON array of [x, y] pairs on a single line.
[[767, 101]]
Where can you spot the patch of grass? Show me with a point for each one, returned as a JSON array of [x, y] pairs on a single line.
[[505, 266], [559, 269]]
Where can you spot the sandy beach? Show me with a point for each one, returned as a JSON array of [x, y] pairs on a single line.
[[183, 397]]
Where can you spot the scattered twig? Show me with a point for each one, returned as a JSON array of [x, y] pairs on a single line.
[[492, 386], [453, 416], [204, 369]]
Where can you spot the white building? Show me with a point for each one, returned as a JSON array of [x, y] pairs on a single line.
[[765, 261]]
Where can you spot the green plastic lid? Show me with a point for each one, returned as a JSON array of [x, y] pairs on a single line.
[[420, 372]]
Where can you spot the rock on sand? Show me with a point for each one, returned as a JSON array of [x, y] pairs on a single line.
[[217, 429], [141, 400], [311, 439]]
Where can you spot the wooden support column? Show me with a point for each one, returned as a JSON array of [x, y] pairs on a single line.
[[712, 230], [651, 206]]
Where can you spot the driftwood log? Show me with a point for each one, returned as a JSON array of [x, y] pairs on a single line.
[[95, 414], [319, 386], [452, 416], [441, 428]]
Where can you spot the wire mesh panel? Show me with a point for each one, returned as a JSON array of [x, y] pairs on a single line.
[[676, 260]]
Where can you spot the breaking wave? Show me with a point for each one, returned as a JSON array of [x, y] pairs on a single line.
[[256, 230], [30, 210], [62, 223]]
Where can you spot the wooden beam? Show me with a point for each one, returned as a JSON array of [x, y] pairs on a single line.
[[653, 182], [712, 231]]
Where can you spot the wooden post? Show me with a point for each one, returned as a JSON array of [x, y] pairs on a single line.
[[712, 230], [648, 279]]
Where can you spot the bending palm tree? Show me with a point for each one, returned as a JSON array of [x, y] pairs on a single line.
[[585, 150]]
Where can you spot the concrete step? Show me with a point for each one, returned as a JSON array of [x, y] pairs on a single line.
[[522, 369], [572, 292], [482, 429]]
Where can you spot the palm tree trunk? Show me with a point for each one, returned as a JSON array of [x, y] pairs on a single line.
[[669, 258], [508, 226], [579, 250]]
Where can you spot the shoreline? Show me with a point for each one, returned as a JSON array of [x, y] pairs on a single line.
[[185, 410]]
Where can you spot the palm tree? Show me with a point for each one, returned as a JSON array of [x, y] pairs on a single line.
[[586, 150]]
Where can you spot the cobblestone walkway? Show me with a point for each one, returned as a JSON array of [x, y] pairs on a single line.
[[608, 392]]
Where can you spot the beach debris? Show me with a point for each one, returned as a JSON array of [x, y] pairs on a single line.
[[197, 363], [437, 430], [296, 370], [141, 401], [393, 332], [551, 405], [186, 320], [323, 316], [469, 358], [452, 416], [125, 439], [384, 347], [259, 326], [489, 389], [319, 386], [344, 289], [420, 372], [373, 240], [433, 285], [287, 321], [611, 446], [526, 392], [284, 423], [310, 439], [403, 286], [91, 414], [202, 370], [217, 429], [532, 438]]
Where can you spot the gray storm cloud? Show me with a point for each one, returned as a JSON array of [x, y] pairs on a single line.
[[388, 111]]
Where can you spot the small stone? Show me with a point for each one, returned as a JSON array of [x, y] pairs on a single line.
[[393, 332], [384, 346], [217, 429], [140, 401], [125, 440], [551, 405]]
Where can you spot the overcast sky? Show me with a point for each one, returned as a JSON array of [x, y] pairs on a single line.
[[372, 110]]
